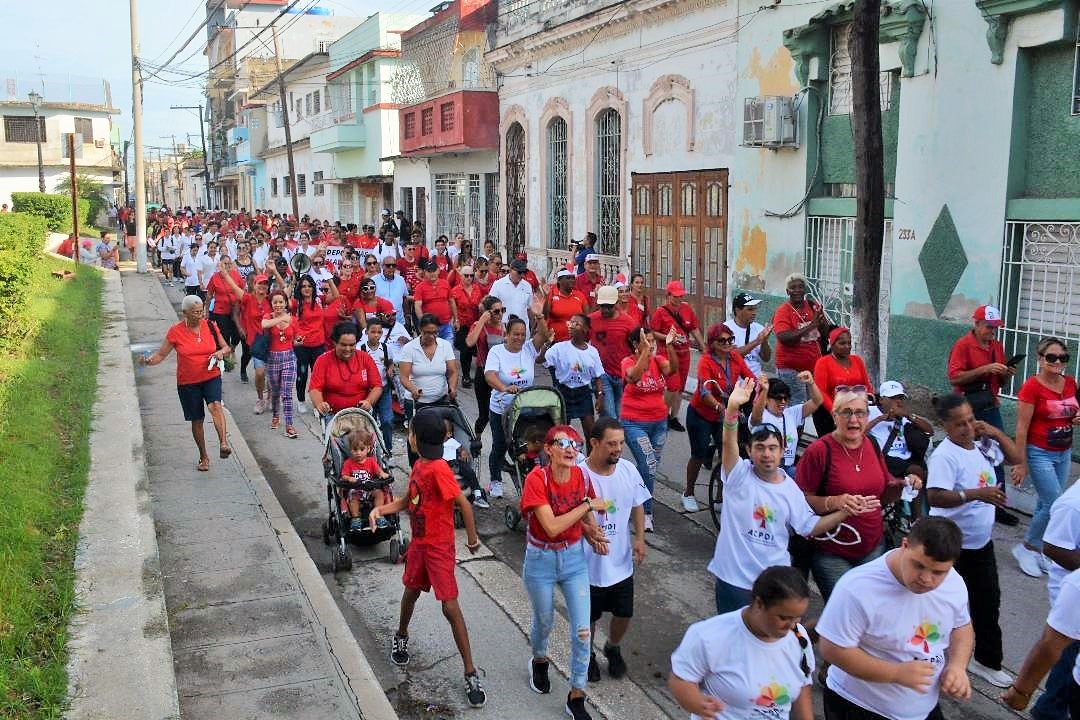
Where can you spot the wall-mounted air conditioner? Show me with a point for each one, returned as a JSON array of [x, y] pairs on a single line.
[[770, 121]]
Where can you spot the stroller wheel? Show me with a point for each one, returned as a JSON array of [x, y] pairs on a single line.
[[326, 532], [395, 550], [341, 560], [511, 517]]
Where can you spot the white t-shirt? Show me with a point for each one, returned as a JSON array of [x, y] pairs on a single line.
[[755, 522], [513, 368], [756, 680], [871, 610], [574, 367], [208, 266], [260, 254], [381, 251], [377, 355], [450, 449], [624, 490], [190, 265], [752, 358], [1063, 614], [428, 375], [169, 247], [883, 429], [515, 298], [1063, 531], [394, 343], [951, 467], [789, 425]]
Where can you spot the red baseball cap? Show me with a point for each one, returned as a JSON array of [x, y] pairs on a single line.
[[675, 289], [989, 315], [261, 278]]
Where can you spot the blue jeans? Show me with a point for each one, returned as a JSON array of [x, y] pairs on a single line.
[[646, 442], [613, 389], [828, 568], [384, 413], [799, 393], [730, 598], [543, 570], [1054, 703], [498, 447], [446, 332], [992, 416], [1048, 470]]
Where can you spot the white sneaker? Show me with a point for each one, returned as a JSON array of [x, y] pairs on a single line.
[[479, 501], [1045, 563], [495, 490], [1028, 560], [260, 406], [689, 504], [301, 407], [998, 678], [648, 524]]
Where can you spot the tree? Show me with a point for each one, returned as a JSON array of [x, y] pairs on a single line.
[[869, 181], [89, 189]]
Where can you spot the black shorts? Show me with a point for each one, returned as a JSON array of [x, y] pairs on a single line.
[[579, 401], [838, 707], [195, 398], [617, 599]]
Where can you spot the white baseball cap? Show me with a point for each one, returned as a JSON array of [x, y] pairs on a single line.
[[891, 389]]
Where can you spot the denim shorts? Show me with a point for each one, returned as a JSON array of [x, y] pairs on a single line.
[[195, 397]]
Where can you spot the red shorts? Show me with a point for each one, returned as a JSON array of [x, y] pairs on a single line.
[[431, 567], [677, 382]]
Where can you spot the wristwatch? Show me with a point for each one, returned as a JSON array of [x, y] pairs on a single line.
[[586, 501]]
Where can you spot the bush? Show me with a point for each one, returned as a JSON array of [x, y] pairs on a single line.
[[55, 208], [21, 240]]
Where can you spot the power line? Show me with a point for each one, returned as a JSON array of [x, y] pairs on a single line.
[[190, 37]]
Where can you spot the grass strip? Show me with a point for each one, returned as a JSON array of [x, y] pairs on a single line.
[[48, 378]]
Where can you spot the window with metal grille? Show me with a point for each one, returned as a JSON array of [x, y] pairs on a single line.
[[515, 189], [273, 187], [450, 201], [427, 121], [410, 125], [287, 185], [345, 203], [85, 128], [406, 201], [1039, 296], [491, 207], [372, 85], [421, 204], [470, 69], [65, 140], [20, 129], [446, 116], [323, 46], [840, 75], [608, 179], [1076, 75], [317, 187], [315, 102], [829, 261], [558, 221], [307, 104], [326, 96], [473, 231], [301, 184]]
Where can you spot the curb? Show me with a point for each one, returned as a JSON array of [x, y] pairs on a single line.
[[120, 661]]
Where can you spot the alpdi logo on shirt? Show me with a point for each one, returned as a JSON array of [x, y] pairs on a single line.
[[763, 515], [984, 479], [772, 695], [926, 632]]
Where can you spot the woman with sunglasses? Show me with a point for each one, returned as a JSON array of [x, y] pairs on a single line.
[[718, 370], [484, 277], [762, 505], [369, 304], [310, 342], [754, 661], [348, 280], [487, 332], [371, 265], [1045, 419], [427, 367], [467, 296], [845, 470], [836, 369], [559, 507]]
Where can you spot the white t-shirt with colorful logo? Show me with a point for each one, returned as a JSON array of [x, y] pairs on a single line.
[[952, 467], [871, 610], [1063, 615], [624, 490], [514, 369], [1063, 531], [574, 367], [756, 680], [755, 523], [788, 425]]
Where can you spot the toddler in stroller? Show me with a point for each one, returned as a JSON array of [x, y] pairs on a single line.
[[358, 474], [529, 453]]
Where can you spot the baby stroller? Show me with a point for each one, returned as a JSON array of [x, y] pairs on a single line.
[[529, 407], [466, 437], [335, 529]]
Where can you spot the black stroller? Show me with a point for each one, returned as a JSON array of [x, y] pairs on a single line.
[[466, 436], [529, 407]]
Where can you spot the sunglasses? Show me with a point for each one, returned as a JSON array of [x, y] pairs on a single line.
[[565, 443], [1053, 358], [346, 266], [372, 262], [497, 311], [389, 265], [765, 430], [726, 340], [468, 274]]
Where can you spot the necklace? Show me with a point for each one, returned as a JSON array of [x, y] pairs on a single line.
[[197, 331], [858, 462]]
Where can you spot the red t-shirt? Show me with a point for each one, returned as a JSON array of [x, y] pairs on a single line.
[[802, 356], [222, 293], [443, 263], [563, 307], [343, 383], [663, 320], [351, 288], [829, 373], [611, 338], [432, 493], [468, 304], [193, 351], [365, 242], [967, 354], [530, 277], [489, 338], [309, 323], [541, 489], [643, 401], [842, 477], [1051, 424], [380, 306], [586, 284], [281, 338], [638, 310], [435, 299], [251, 314], [485, 285], [358, 472], [409, 272], [710, 369], [332, 316]]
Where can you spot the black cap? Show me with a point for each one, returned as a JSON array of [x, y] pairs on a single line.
[[744, 300], [519, 265], [430, 432]]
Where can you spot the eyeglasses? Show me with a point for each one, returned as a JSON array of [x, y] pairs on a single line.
[[372, 262], [468, 274], [565, 443], [1054, 358], [848, 413], [348, 266], [857, 389]]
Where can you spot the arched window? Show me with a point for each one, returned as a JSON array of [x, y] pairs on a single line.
[[608, 169], [558, 220], [515, 189]]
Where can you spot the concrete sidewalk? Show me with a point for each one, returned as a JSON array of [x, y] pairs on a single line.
[[255, 633]]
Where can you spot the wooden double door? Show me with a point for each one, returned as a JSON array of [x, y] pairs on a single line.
[[679, 232]]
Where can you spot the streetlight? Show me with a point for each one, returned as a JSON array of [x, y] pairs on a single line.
[[35, 102]]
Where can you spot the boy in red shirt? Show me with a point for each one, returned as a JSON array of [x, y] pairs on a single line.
[[361, 466], [429, 563]]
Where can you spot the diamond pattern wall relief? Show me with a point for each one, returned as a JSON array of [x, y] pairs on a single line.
[[942, 260]]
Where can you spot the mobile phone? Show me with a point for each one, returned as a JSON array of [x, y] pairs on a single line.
[[1015, 360]]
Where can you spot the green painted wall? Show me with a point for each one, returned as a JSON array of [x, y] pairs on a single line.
[[1053, 133], [919, 350], [838, 145]]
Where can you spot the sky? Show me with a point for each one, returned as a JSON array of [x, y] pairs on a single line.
[[91, 39]]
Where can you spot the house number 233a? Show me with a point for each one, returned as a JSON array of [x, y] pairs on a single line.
[[906, 234]]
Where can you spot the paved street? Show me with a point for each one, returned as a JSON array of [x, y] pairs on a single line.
[[673, 587]]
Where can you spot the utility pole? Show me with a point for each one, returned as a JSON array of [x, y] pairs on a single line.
[[126, 195], [288, 128], [202, 137], [161, 176], [74, 199], [136, 117], [869, 181]]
